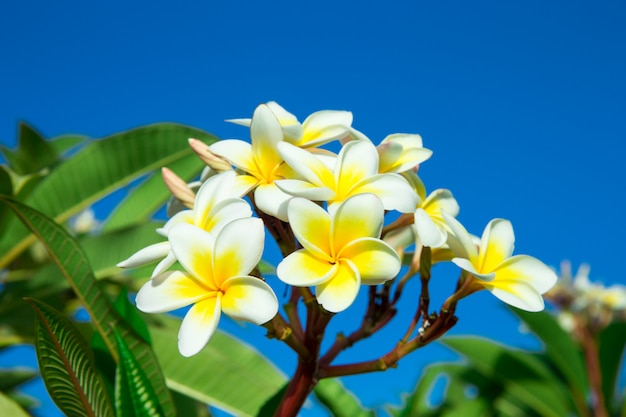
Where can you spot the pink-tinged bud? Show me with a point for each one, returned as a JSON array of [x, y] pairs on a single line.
[[204, 153], [178, 188]]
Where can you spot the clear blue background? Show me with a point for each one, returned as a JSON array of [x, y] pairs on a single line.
[[523, 104]]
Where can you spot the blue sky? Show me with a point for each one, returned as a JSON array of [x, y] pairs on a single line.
[[523, 104]]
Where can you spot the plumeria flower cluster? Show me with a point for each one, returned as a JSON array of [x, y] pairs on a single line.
[[580, 299], [342, 220]]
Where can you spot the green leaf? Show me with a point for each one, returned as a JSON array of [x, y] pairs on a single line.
[[560, 348], [339, 401], [98, 169], [64, 143], [9, 407], [11, 378], [610, 351], [144, 200], [33, 152], [72, 261], [210, 375], [6, 183], [67, 367], [134, 396], [523, 374]]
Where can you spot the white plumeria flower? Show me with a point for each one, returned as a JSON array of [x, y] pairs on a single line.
[[340, 252], [517, 280], [260, 161], [429, 225], [401, 152], [217, 203], [355, 172], [319, 128], [215, 280]]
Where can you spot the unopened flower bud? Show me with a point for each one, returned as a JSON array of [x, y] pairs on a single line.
[[179, 188], [204, 153]]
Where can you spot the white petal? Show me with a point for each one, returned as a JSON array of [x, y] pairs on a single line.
[[520, 295], [169, 291], [357, 161], [271, 200], [238, 153], [357, 217], [302, 269], [339, 292], [441, 199], [459, 239], [238, 249], [305, 189], [427, 231], [217, 188], [311, 225], [223, 213], [324, 126], [392, 189], [375, 260], [307, 165], [168, 261], [194, 250], [146, 255], [466, 265], [266, 133], [528, 269], [240, 122], [496, 244], [198, 326], [248, 298]]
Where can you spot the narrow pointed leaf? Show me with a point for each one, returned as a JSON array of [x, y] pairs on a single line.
[[72, 261], [99, 168], [11, 378], [339, 401], [134, 396], [67, 365]]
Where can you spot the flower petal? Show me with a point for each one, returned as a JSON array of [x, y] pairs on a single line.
[[459, 239], [392, 189], [223, 213], [146, 255], [238, 249], [169, 291], [194, 250], [357, 217], [441, 199], [375, 260], [311, 225], [496, 245], [527, 269], [466, 265], [518, 294], [198, 326], [325, 126], [248, 298], [266, 133], [427, 231], [238, 153], [303, 269], [357, 161], [339, 292], [168, 261], [272, 200], [306, 164], [305, 189]]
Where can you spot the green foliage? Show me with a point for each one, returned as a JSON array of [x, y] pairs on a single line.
[[10, 407], [134, 396], [339, 401], [67, 366]]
